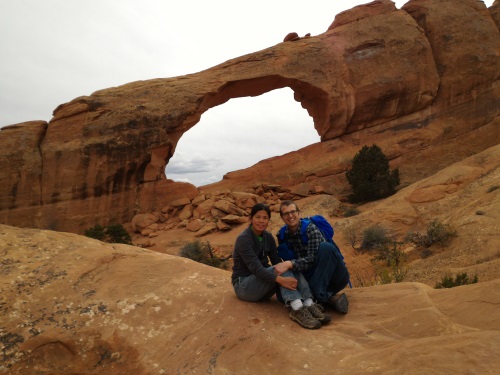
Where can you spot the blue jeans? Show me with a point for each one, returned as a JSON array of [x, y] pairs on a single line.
[[253, 289], [330, 275]]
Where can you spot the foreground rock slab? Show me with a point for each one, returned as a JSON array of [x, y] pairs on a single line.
[[70, 304]]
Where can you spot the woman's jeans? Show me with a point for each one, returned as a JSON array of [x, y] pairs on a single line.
[[253, 289], [330, 274]]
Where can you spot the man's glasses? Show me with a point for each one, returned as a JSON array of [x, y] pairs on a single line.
[[289, 213]]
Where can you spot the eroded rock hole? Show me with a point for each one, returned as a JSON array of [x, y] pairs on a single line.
[[239, 134]]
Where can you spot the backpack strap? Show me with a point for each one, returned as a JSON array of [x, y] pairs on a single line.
[[281, 235]]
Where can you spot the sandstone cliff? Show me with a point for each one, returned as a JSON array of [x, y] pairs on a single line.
[[421, 82]]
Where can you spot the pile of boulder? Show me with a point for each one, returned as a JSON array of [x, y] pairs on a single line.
[[207, 213]]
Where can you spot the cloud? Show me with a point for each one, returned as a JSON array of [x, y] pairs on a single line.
[[241, 133], [190, 164]]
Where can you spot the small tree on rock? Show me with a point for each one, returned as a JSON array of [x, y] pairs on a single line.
[[370, 176]]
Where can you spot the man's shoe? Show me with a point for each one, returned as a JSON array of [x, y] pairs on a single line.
[[340, 303], [317, 313], [304, 318]]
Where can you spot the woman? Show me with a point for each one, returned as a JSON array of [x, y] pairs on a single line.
[[254, 279]]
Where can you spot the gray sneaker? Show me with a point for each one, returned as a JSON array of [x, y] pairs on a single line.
[[304, 318], [318, 313], [340, 303]]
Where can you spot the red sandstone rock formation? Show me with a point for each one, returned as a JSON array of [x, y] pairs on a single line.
[[418, 81]]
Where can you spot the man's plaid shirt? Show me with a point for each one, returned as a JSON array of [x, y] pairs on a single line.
[[305, 255]]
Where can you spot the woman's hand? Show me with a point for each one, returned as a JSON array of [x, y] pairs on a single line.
[[287, 282], [282, 267]]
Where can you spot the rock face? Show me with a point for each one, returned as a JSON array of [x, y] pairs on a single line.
[[73, 305], [416, 81]]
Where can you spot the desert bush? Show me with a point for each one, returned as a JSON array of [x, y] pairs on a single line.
[[394, 258], [114, 233], [391, 253], [351, 211], [447, 281], [201, 253], [368, 278], [374, 236], [436, 233], [394, 274], [425, 253], [370, 176], [351, 233], [493, 188], [97, 232]]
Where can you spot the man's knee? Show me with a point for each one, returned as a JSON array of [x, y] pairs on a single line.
[[326, 250]]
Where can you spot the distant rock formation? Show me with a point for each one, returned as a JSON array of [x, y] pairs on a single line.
[[210, 212], [291, 36], [418, 81]]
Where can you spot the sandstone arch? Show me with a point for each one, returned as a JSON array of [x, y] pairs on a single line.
[[376, 71], [258, 127]]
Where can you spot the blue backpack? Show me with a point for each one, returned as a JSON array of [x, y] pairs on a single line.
[[323, 225]]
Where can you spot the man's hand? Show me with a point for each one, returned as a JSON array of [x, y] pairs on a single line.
[[282, 267], [287, 282]]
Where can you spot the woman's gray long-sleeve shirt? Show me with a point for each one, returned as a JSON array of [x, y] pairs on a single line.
[[252, 256]]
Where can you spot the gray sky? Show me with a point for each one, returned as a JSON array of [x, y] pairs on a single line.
[[53, 51]]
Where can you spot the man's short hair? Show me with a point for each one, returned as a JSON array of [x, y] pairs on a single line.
[[286, 204]]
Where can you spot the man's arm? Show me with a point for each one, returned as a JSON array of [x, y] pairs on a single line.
[[306, 255]]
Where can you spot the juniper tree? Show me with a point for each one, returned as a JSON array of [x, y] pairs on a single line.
[[370, 176]]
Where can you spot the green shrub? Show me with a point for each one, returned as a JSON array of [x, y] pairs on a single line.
[[351, 211], [447, 281], [370, 176], [201, 253], [114, 233], [436, 233], [394, 258], [394, 274], [391, 253], [98, 232], [351, 233], [374, 236], [425, 253], [493, 188]]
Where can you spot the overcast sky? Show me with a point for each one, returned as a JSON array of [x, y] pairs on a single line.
[[53, 51]]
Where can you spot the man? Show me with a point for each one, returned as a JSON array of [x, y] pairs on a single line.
[[320, 261]]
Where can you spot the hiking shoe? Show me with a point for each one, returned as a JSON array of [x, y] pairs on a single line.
[[304, 318], [317, 312], [340, 303]]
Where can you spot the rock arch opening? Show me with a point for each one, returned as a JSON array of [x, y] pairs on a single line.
[[239, 134]]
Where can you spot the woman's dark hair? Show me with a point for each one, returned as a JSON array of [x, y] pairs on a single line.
[[260, 207]]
